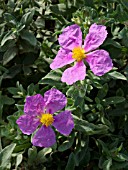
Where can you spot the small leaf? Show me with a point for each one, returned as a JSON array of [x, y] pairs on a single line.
[[13, 71], [5, 155], [120, 157], [71, 162], [8, 36], [32, 154], [53, 78], [9, 55], [29, 37], [107, 164], [10, 19], [44, 152], [67, 144], [111, 42], [125, 3], [117, 75], [113, 100], [119, 165], [59, 8], [18, 160], [40, 22], [27, 17], [103, 92], [41, 156], [89, 128], [105, 149], [13, 90], [7, 100], [82, 156]]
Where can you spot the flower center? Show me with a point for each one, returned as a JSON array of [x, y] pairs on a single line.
[[78, 53], [47, 119]]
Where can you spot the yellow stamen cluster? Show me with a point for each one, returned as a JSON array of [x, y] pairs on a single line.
[[78, 53], [47, 119]]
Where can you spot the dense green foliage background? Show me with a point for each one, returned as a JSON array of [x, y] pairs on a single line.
[[28, 44]]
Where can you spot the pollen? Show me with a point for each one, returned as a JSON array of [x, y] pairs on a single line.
[[47, 119], [78, 53]]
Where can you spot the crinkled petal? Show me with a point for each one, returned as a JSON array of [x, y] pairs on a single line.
[[63, 58], [99, 62], [55, 100], [75, 73], [34, 105], [63, 122], [96, 36], [44, 137], [71, 37], [28, 124]]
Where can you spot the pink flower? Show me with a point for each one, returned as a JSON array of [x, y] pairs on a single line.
[[38, 112], [72, 50]]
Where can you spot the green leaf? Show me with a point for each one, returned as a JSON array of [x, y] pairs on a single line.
[[111, 42], [113, 100], [105, 149], [125, 3], [119, 165], [10, 19], [29, 37], [107, 164], [44, 152], [8, 36], [61, 8], [6, 100], [121, 16], [78, 95], [89, 128], [30, 89], [9, 55], [123, 34], [40, 23], [119, 92], [118, 112], [13, 90], [103, 92], [22, 147], [32, 154], [82, 156], [67, 144], [120, 157], [18, 160], [71, 162], [27, 17], [41, 156], [5, 155], [108, 123], [117, 75], [13, 71], [53, 78]]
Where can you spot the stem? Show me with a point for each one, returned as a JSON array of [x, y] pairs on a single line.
[[0, 145]]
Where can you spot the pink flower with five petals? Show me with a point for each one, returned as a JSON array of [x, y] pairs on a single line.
[[38, 112], [72, 50]]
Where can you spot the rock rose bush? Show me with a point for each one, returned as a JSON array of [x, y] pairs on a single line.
[[63, 85]]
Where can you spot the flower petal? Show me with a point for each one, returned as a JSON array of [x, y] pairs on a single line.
[[55, 100], [34, 105], [71, 37], [75, 73], [44, 137], [63, 58], [63, 122], [27, 124], [96, 36], [100, 62]]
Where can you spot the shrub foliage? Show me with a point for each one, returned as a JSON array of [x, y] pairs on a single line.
[[99, 105]]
